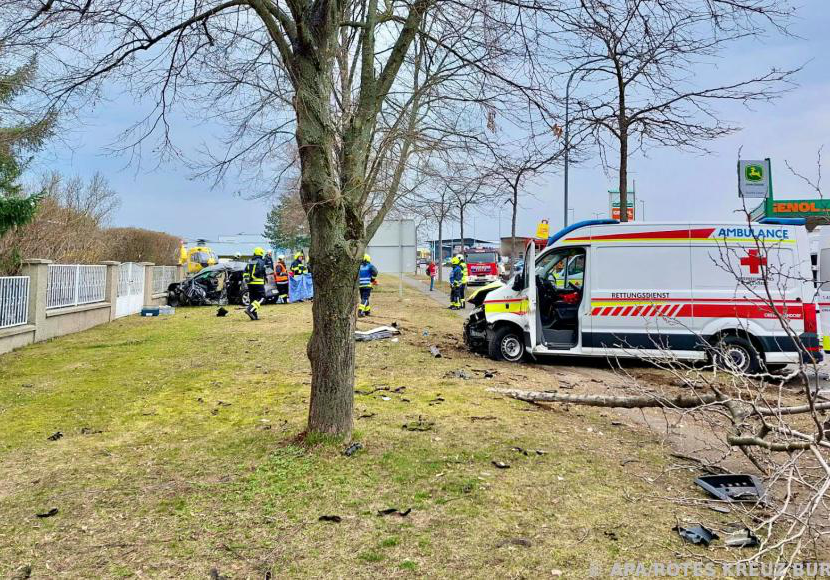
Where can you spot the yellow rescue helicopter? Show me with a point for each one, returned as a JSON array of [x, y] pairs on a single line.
[[195, 258]]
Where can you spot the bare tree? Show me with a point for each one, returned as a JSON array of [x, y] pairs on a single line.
[[644, 58], [359, 86], [514, 170]]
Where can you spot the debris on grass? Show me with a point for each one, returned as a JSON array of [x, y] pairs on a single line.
[[352, 449], [55, 436], [335, 519], [396, 511], [732, 487], [420, 425], [500, 464], [740, 537], [215, 575], [49, 514], [437, 400], [435, 352], [366, 416], [696, 534], [459, 374], [377, 333], [23, 573], [221, 312], [483, 418], [722, 509]]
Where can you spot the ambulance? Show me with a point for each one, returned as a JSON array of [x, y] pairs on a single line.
[[740, 294]]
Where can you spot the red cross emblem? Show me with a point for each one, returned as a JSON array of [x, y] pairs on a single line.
[[754, 261]]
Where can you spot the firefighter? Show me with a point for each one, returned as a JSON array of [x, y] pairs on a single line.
[[281, 279], [367, 278], [254, 276], [269, 260], [298, 267], [455, 284], [462, 290]]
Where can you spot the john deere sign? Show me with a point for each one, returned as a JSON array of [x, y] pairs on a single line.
[[754, 178]]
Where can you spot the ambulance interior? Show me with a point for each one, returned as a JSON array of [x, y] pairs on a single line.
[[559, 282]]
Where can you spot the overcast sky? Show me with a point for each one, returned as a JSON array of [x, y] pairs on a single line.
[[675, 185]]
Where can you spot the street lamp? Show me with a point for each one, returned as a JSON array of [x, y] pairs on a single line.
[[568, 126]]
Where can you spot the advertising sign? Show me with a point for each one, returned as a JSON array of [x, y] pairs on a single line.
[[754, 178], [614, 197]]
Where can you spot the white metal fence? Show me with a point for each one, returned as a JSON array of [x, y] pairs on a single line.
[[73, 285], [163, 276], [14, 300], [130, 298]]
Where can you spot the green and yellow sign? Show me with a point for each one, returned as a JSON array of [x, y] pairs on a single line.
[[754, 178]]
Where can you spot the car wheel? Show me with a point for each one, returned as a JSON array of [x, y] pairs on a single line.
[[737, 354], [507, 344], [245, 299], [172, 298]]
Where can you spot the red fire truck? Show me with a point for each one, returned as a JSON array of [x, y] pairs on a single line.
[[483, 266]]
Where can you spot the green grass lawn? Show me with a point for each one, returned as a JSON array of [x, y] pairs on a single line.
[[180, 455]]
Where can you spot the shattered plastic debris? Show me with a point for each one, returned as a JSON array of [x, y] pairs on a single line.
[[696, 534], [458, 374], [732, 487], [500, 464], [221, 312], [49, 514], [377, 333], [396, 511], [435, 352], [352, 449], [740, 537], [55, 436], [335, 519]]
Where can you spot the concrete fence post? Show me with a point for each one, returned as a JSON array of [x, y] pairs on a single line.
[[148, 283], [180, 273], [38, 272], [112, 285]]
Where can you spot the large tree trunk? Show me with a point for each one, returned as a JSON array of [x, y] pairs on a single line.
[[331, 349]]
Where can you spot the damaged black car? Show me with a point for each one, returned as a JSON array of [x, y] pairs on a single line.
[[217, 285]]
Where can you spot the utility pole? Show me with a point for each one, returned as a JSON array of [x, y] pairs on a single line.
[[568, 127]]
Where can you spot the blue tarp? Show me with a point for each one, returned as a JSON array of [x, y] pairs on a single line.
[[300, 288]]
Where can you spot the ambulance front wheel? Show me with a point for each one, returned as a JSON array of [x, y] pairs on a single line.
[[737, 354], [506, 343]]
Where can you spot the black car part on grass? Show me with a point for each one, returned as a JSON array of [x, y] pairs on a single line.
[[732, 487], [352, 449], [396, 511], [696, 534]]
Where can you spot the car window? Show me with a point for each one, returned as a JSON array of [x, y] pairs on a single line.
[[559, 265]]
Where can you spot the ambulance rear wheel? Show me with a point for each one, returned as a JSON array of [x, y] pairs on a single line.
[[506, 344], [737, 354]]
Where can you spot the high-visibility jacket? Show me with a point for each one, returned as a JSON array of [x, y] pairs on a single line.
[[280, 273], [254, 273], [298, 267], [367, 274], [456, 276], [463, 266]]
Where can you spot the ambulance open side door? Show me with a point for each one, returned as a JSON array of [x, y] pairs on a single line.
[[532, 296], [823, 284]]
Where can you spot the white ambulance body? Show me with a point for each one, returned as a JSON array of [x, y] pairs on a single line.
[[683, 290]]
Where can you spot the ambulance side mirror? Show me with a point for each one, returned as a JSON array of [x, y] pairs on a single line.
[[519, 282]]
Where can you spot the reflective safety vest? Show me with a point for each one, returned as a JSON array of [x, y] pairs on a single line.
[[367, 274], [255, 272], [463, 266], [280, 273], [298, 267]]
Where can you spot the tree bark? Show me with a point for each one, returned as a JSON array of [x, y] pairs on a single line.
[[680, 402], [331, 349], [461, 223], [623, 175]]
